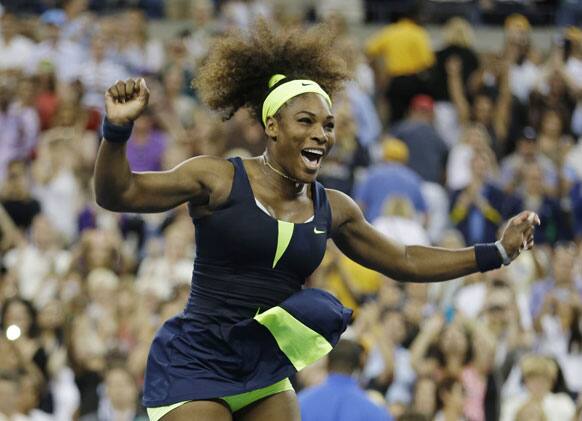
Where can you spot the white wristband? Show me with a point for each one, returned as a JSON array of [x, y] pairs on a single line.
[[503, 253]]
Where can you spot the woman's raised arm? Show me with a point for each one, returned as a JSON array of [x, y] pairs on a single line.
[[203, 180]]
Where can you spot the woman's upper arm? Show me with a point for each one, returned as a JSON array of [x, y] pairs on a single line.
[[361, 242], [202, 180]]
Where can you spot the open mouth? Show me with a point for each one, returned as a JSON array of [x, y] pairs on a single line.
[[312, 157]]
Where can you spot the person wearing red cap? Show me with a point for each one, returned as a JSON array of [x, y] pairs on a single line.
[[427, 149]]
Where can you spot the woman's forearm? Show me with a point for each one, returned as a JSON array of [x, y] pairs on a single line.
[[435, 264]]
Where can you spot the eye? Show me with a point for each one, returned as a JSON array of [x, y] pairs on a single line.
[[305, 120], [329, 127]]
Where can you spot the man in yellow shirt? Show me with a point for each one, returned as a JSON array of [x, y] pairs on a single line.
[[401, 53]]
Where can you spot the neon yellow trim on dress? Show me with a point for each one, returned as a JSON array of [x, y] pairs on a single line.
[[284, 234], [300, 344], [235, 402], [284, 92]]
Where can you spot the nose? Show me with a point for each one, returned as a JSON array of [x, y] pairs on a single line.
[[319, 134]]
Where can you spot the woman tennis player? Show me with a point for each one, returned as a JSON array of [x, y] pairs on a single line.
[[261, 229]]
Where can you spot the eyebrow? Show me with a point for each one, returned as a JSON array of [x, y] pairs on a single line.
[[314, 115]]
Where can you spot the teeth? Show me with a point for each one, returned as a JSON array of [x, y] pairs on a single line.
[[315, 151]]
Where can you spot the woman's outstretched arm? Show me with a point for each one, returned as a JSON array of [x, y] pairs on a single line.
[[362, 243]]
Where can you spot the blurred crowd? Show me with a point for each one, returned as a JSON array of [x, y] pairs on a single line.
[[437, 142]]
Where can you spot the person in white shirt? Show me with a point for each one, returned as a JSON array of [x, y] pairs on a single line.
[[539, 375], [98, 72], [15, 50], [65, 55], [121, 395]]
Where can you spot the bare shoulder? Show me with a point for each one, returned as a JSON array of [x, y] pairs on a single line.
[[213, 175], [207, 163], [343, 209]]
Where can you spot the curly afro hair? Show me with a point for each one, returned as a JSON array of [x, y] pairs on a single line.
[[238, 69]]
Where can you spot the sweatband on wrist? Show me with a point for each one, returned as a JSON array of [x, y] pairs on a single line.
[[488, 257], [116, 134], [503, 253]]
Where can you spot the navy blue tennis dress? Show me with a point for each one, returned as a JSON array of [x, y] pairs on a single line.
[[248, 323]]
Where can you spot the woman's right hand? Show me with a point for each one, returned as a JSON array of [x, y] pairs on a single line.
[[126, 100]]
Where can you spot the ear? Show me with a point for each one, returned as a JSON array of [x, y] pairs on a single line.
[[272, 128]]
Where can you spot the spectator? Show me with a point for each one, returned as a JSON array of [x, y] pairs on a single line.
[[456, 344], [524, 72], [38, 263], [474, 139], [30, 398], [539, 375], [359, 92], [161, 271], [15, 49], [338, 171], [450, 397], [478, 210], [401, 52], [64, 55], [46, 101], [388, 368], [458, 39], [424, 397], [25, 107], [178, 108], [120, 400], [490, 109], [198, 41], [340, 397], [400, 222], [556, 91], [51, 322], [78, 22], [17, 138], [561, 284], [56, 185], [145, 149], [554, 144], [9, 394], [141, 55], [427, 151], [98, 72], [16, 197], [352, 283], [527, 150], [389, 179], [554, 219], [531, 411]]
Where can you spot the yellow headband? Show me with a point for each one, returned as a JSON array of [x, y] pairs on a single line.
[[284, 92]]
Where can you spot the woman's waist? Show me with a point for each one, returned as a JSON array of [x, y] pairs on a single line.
[[235, 293]]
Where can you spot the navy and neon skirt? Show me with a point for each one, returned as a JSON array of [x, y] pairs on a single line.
[[189, 360]]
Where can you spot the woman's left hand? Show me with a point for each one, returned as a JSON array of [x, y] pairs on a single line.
[[518, 234]]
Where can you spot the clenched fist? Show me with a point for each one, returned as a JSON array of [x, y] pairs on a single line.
[[126, 100], [518, 234]]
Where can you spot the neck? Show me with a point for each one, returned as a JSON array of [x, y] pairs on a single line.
[[279, 181]]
